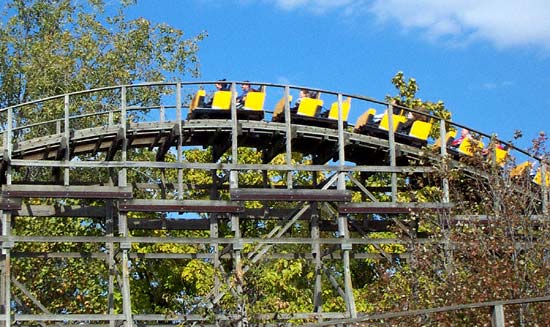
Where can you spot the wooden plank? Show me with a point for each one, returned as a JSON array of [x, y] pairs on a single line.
[[168, 142], [391, 207], [28, 210], [201, 206], [60, 191], [168, 224], [258, 194], [10, 204]]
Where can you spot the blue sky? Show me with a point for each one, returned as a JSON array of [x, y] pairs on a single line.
[[488, 60]]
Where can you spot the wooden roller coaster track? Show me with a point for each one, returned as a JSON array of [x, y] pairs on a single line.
[[101, 132]]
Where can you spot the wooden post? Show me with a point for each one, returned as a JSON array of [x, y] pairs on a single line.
[[234, 174], [443, 149], [288, 140], [125, 247], [393, 159], [316, 253], [180, 140], [544, 186], [123, 156], [67, 135], [109, 227], [122, 218], [498, 316], [6, 273], [342, 220]]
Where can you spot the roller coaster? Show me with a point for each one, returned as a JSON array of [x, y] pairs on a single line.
[[133, 140]]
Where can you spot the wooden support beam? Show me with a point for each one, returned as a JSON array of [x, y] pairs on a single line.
[[498, 318], [4, 167], [272, 146], [168, 142], [391, 207], [168, 224], [10, 204], [180, 206], [116, 144], [28, 210], [98, 143], [60, 191], [155, 141], [219, 147], [60, 155], [324, 153], [258, 194], [63, 145]]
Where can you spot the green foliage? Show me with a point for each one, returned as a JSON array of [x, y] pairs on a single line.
[[407, 89], [501, 257], [76, 285], [169, 286], [56, 47], [280, 286], [406, 96]]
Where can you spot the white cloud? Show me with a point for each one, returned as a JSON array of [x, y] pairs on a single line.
[[316, 6], [504, 23], [496, 85]]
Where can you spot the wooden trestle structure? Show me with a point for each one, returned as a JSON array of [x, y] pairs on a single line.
[[97, 130]]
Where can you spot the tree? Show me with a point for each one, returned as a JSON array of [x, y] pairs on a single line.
[[53, 47], [500, 255], [503, 255]]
